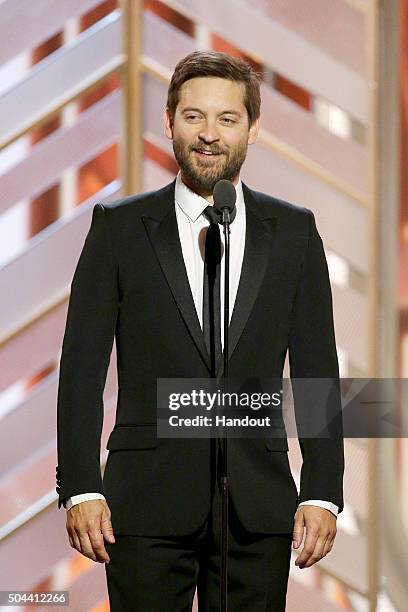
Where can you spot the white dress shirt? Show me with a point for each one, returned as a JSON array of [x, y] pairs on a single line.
[[192, 226]]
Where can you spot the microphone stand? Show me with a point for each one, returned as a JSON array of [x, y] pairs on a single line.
[[224, 475]]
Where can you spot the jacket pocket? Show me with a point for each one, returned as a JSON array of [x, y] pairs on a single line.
[[276, 444], [124, 437]]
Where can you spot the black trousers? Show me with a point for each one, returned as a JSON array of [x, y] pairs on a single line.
[[156, 574]]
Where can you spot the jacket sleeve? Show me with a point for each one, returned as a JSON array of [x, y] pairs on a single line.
[[312, 354], [86, 349]]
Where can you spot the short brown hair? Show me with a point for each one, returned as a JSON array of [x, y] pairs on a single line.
[[217, 64]]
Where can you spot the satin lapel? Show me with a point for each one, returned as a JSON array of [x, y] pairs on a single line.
[[161, 227], [259, 245]]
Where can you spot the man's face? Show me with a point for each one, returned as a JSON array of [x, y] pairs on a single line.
[[210, 132]]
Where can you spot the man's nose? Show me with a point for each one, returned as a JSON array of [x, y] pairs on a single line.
[[209, 133]]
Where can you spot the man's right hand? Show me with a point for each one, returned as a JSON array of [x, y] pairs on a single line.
[[88, 524]]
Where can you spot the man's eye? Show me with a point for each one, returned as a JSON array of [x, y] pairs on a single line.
[[192, 117], [227, 120]]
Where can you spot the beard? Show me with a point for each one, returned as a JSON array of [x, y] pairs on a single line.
[[203, 175]]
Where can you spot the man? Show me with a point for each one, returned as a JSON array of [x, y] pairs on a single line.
[[154, 519]]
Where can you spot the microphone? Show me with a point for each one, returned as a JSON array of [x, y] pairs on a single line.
[[225, 196]]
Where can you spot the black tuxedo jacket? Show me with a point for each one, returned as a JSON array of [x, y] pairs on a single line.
[[131, 283]]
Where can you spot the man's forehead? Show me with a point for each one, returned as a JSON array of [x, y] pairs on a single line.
[[212, 89]]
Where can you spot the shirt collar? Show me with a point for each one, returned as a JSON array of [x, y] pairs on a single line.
[[193, 204]]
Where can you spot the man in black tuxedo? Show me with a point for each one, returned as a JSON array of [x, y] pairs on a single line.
[[154, 517]]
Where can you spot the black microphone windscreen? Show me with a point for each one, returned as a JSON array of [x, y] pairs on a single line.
[[224, 195]]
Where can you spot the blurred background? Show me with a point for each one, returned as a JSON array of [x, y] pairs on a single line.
[[82, 89]]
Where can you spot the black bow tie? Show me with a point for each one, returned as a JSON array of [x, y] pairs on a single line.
[[215, 216]]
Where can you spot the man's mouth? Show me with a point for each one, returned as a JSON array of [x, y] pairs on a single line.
[[206, 153]]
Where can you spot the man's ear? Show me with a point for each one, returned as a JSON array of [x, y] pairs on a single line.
[[168, 124], [253, 131]]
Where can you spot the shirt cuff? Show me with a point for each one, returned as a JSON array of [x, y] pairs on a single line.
[[77, 499], [324, 504]]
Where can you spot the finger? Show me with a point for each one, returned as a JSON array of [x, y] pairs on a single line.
[[317, 553], [312, 534], [86, 547], [107, 529], [328, 545], [77, 543], [70, 538], [298, 531], [96, 539]]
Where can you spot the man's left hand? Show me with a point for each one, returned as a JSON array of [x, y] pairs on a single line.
[[321, 530]]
